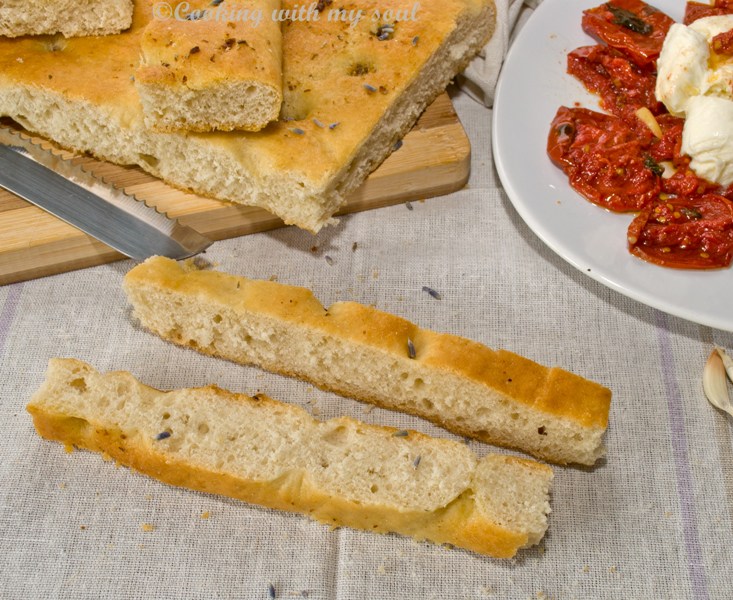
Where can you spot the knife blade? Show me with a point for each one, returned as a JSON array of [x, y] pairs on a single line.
[[80, 198]]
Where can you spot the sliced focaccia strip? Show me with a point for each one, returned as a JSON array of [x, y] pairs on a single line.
[[70, 18], [340, 472], [363, 353], [216, 70]]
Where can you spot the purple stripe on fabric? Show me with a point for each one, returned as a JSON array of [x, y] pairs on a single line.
[[683, 470], [7, 314]]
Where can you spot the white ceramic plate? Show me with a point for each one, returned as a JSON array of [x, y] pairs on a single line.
[[532, 85]]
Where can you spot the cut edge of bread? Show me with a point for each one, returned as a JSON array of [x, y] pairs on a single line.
[[70, 18], [458, 49], [496, 397], [339, 472], [246, 105]]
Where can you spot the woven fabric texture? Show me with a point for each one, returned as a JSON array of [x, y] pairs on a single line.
[[653, 520]]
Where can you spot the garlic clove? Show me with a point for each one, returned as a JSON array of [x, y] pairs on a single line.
[[727, 362], [714, 383], [646, 117], [669, 168]]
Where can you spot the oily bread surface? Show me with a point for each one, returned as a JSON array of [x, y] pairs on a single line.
[[190, 56], [494, 505], [347, 98]]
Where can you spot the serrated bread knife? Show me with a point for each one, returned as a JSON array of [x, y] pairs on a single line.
[[87, 202]]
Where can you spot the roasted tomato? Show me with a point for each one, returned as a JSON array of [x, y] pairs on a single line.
[[623, 86], [685, 181], [685, 233], [723, 43], [669, 146], [603, 159], [631, 26], [698, 10]]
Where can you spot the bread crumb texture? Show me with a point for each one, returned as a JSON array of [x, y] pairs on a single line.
[[69, 18], [339, 472], [494, 396]]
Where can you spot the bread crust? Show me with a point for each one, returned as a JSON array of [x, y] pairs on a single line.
[[348, 98], [59, 414], [558, 402], [185, 60]]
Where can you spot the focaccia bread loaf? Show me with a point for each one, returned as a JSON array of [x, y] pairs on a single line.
[[340, 472], [351, 91], [212, 68], [70, 18], [372, 356]]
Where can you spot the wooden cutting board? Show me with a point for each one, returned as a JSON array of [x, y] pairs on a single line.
[[433, 160]]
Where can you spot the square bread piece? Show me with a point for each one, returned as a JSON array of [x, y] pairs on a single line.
[[351, 89], [70, 18], [212, 68]]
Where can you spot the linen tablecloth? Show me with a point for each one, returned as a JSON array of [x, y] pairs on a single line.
[[653, 520]]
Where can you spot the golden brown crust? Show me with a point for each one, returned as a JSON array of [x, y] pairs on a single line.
[[463, 522], [457, 524], [563, 416], [342, 87], [551, 390], [194, 55], [208, 51]]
